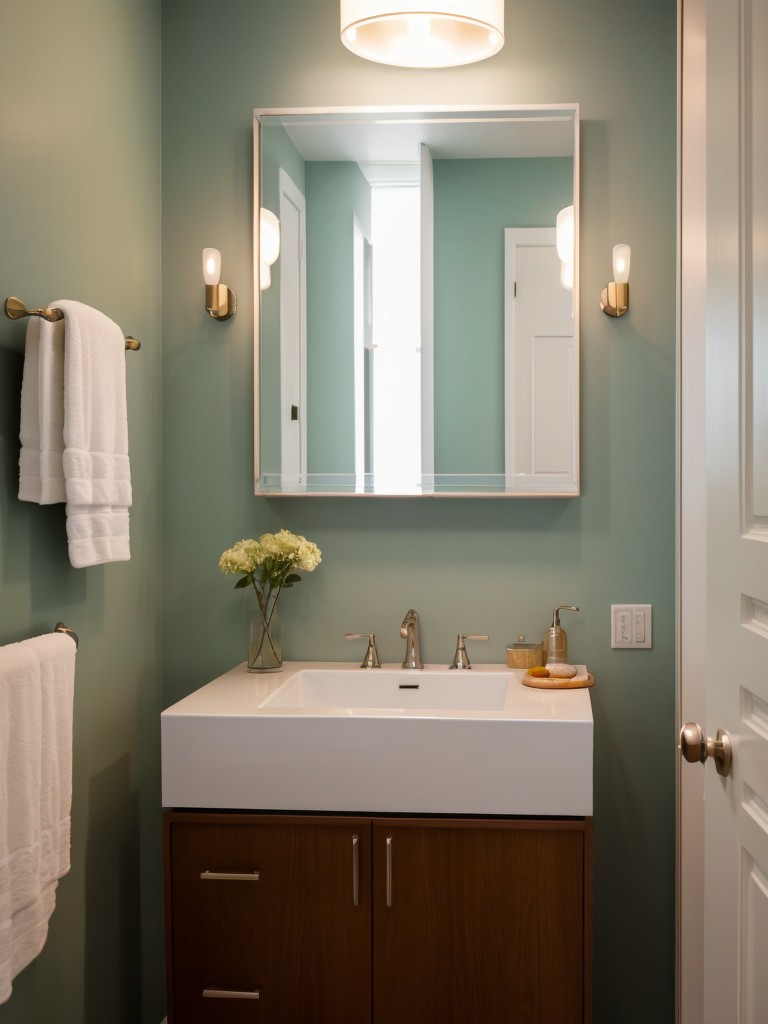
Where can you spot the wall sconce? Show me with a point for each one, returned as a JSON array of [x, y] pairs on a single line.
[[565, 241], [269, 245], [423, 33], [220, 302], [614, 300]]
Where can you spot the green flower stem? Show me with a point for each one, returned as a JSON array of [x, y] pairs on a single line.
[[266, 620]]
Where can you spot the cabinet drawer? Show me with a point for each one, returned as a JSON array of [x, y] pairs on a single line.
[[269, 920]]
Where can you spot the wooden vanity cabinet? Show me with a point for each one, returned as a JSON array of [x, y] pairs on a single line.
[[357, 920]]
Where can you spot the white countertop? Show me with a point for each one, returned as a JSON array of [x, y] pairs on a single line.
[[531, 755]]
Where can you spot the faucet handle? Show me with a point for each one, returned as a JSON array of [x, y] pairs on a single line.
[[461, 658], [371, 659]]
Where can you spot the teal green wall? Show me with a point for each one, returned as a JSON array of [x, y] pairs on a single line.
[[80, 201], [337, 194], [481, 565], [81, 209], [475, 200]]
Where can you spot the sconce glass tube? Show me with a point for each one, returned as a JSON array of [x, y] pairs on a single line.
[[565, 241], [621, 257], [211, 266], [269, 245]]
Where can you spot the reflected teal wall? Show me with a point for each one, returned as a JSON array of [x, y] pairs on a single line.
[[80, 205], [277, 153], [475, 200], [337, 196], [471, 565]]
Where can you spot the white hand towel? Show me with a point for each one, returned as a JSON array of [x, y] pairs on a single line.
[[96, 467], [36, 697], [74, 430], [41, 466]]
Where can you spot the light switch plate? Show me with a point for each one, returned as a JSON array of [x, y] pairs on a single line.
[[631, 626]]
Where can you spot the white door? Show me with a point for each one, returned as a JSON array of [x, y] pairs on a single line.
[[293, 333], [724, 958]]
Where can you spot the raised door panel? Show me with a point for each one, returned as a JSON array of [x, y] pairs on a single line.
[[480, 922], [293, 945]]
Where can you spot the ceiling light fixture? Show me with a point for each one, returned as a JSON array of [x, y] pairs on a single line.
[[423, 33]]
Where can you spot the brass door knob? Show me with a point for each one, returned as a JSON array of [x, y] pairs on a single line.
[[696, 747]]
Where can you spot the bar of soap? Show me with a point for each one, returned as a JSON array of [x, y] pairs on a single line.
[[539, 671], [562, 671]]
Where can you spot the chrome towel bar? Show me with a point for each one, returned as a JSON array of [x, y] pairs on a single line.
[[15, 310]]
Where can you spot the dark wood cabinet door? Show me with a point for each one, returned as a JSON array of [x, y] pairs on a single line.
[[480, 922], [291, 947]]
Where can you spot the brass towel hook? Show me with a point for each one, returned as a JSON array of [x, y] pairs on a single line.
[[16, 310]]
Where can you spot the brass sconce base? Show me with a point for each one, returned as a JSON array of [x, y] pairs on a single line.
[[614, 300], [220, 301]]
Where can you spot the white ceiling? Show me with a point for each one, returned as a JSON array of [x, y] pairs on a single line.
[[378, 138]]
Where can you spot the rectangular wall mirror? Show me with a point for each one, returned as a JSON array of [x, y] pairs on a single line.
[[418, 332]]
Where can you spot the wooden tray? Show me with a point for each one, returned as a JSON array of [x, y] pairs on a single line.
[[548, 683]]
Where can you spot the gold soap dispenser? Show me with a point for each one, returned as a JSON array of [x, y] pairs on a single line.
[[556, 639]]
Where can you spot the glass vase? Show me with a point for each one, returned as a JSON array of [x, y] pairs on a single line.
[[264, 635]]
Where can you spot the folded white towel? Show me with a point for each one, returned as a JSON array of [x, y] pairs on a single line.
[[36, 697], [22, 938], [41, 466], [74, 430]]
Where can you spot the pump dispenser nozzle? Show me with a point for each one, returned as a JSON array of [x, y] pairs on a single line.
[[556, 639]]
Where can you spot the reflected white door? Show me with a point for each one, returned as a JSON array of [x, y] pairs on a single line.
[[293, 333], [427, 291], [730, 876], [539, 362]]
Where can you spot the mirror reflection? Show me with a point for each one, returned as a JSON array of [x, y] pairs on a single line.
[[418, 331]]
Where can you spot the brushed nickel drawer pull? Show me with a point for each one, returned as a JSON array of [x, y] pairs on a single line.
[[355, 871], [226, 993], [229, 876], [389, 871]]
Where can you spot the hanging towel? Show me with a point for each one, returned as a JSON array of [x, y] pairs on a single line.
[[89, 408], [41, 463], [36, 695], [96, 468]]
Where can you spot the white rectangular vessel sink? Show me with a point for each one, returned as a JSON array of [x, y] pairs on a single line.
[[392, 689], [333, 737]]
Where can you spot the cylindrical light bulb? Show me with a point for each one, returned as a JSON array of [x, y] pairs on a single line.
[[621, 256], [566, 276], [564, 235], [269, 241], [211, 266]]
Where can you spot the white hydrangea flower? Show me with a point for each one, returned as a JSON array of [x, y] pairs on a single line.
[[275, 554]]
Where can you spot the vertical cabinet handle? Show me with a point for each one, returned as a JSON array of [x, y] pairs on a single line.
[[355, 870], [389, 871]]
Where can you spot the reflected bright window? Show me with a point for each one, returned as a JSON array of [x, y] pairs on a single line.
[[396, 338]]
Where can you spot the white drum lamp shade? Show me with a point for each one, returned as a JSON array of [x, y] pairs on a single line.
[[423, 33]]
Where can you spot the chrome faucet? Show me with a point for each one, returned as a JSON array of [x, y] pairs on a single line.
[[409, 631]]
